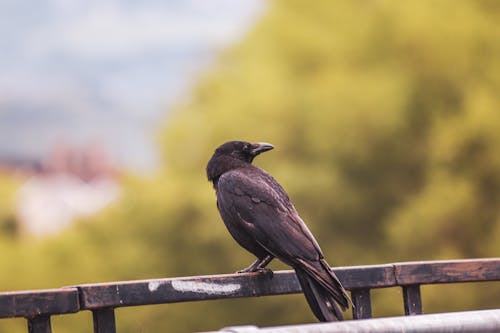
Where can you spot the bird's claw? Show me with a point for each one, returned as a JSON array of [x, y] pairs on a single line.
[[263, 270]]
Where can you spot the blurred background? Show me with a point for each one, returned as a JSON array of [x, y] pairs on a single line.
[[385, 116]]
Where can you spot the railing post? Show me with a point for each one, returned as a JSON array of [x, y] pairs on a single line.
[[412, 300], [104, 320], [39, 324], [362, 304]]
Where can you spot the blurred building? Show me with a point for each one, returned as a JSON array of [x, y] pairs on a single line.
[[70, 183]]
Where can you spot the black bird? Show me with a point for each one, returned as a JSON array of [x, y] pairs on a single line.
[[261, 218]]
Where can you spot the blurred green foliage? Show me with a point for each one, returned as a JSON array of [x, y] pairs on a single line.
[[8, 222], [386, 120]]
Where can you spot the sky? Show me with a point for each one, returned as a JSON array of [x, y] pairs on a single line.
[[105, 71]]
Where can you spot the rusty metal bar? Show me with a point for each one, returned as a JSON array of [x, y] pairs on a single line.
[[103, 298], [362, 304], [485, 321], [32, 303], [104, 320], [39, 324], [198, 288], [412, 300], [449, 271]]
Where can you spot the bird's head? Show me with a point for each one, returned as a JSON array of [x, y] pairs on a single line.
[[241, 150], [231, 154]]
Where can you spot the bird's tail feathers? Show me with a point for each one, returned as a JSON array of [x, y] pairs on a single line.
[[320, 271], [338, 285], [322, 304]]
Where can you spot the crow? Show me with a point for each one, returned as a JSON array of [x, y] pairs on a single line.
[[261, 218]]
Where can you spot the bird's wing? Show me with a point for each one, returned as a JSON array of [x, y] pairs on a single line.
[[264, 211]]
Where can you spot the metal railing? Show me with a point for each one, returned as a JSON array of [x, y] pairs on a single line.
[[103, 298], [484, 321]]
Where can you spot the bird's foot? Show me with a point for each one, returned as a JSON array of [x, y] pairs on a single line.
[[257, 265], [260, 270], [265, 271]]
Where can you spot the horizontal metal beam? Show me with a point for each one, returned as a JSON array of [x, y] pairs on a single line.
[[33, 303], [450, 271], [485, 321], [197, 288]]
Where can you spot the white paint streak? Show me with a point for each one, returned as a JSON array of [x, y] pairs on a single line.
[[154, 285], [205, 288], [118, 294]]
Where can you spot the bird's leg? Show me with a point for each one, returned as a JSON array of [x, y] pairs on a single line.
[[265, 261], [259, 265], [252, 268], [262, 266]]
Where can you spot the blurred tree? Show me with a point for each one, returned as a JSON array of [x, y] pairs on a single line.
[[385, 119], [9, 226]]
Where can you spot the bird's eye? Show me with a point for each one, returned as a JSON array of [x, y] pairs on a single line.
[[246, 147]]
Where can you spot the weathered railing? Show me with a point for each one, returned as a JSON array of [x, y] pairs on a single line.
[[483, 321], [102, 298]]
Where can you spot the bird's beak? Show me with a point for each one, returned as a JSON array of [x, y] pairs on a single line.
[[260, 147]]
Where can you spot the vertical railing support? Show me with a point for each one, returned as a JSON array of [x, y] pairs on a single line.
[[412, 300], [104, 320], [362, 304], [39, 324]]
